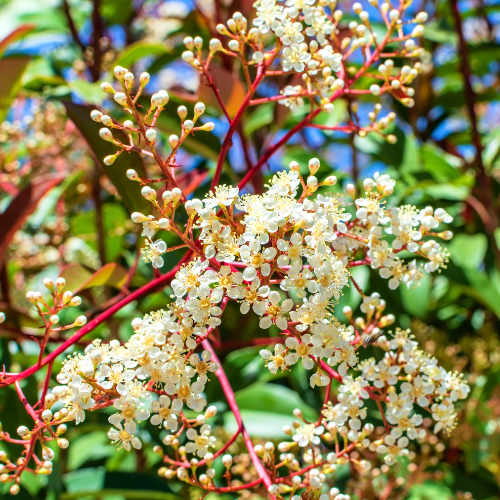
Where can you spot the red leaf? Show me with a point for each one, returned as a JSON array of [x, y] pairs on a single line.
[[15, 35], [20, 208]]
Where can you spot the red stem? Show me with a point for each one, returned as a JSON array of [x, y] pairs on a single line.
[[228, 392]]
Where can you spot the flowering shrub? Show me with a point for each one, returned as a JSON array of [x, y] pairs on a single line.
[[285, 255]]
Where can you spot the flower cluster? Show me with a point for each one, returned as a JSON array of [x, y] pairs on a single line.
[[305, 37]]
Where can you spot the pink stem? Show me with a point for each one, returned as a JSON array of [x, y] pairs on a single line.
[[228, 392]]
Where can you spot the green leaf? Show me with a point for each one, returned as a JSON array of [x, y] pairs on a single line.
[[441, 166], [468, 251], [129, 191], [447, 191], [92, 446], [482, 289], [114, 219], [273, 398], [11, 69], [116, 11], [97, 483], [89, 92], [416, 298], [430, 491], [261, 116], [138, 50], [259, 423]]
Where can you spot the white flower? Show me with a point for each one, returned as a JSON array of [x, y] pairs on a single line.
[[124, 436], [308, 433], [393, 448], [302, 350], [291, 99], [107, 377], [164, 411], [289, 32], [200, 443], [129, 411], [275, 312], [275, 361], [294, 57], [254, 296]]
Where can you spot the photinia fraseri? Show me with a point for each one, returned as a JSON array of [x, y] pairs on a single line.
[[285, 255]]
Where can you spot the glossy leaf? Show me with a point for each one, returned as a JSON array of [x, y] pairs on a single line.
[[11, 69], [129, 191], [137, 51], [78, 278], [20, 208]]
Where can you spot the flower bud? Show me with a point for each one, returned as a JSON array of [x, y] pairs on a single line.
[[81, 320], [106, 135], [227, 461], [167, 197], [22, 431], [176, 194], [75, 301], [96, 115], [110, 159], [199, 109], [273, 489], [46, 415], [156, 100], [182, 112], [188, 56], [54, 319], [188, 125], [121, 99], [314, 165], [148, 193], [164, 97], [312, 182], [350, 190], [164, 223], [132, 174], [257, 57], [137, 217], [394, 15], [106, 87], [422, 17], [331, 180], [119, 72], [188, 42], [208, 127], [222, 29], [60, 284], [129, 79], [418, 31], [61, 429], [151, 134], [215, 45], [173, 140], [2, 317], [234, 45], [48, 283], [144, 79], [107, 120]]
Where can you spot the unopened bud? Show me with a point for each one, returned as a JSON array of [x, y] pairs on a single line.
[[81, 320], [106, 87]]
